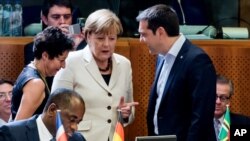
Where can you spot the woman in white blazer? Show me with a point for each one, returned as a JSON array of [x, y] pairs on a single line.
[[102, 77]]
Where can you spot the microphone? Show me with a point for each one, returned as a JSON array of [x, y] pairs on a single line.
[[201, 31], [182, 12]]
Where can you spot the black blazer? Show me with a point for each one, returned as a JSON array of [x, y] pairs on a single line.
[[237, 119], [188, 101], [26, 130]]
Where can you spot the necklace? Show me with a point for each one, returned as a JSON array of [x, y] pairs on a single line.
[[107, 68], [44, 80], [42, 77]]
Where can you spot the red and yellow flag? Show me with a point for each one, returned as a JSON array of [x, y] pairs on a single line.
[[119, 132]]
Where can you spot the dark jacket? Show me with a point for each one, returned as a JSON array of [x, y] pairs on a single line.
[[188, 101], [237, 119], [26, 130]]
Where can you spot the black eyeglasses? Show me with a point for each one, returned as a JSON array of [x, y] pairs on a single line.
[[223, 98]]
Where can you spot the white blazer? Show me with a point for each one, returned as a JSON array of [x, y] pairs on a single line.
[[101, 100]]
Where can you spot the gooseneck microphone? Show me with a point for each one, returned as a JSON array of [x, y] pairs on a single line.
[[182, 12]]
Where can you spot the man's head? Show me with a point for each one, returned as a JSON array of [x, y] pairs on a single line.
[[56, 12], [72, 109], [5, 98], [156, 24], [160, 16], [224, 91]]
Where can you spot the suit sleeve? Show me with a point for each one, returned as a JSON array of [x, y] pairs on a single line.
[[202, 81], [5, 134]]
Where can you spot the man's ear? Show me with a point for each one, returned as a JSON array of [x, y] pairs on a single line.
[[161, 31], [44, 19], [52, 109]]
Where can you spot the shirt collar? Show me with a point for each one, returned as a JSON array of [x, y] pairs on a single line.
[[176, 47], [174, 50], [43, 132], [220, 119], [2, 122]]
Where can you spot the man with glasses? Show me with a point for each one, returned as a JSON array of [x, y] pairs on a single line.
[[224, 91], [5, 100]]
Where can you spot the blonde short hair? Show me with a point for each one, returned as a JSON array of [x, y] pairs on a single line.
[[103, 21]]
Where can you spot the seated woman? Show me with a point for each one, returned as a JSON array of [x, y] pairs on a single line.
[[30, 92]]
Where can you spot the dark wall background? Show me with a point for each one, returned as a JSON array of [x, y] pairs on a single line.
[[244, 13], [197, 12]]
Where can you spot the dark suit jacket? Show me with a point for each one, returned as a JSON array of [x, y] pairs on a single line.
[[188, 101], [26, 130], [237, 119]]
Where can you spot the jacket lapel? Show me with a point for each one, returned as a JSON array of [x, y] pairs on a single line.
[[92, 68], [153, 93], [160, 61], [32, 131], [115, 72], [176, 69], [94, 72]]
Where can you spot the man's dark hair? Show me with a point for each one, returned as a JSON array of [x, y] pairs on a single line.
[[3, 81], [47, 4], [161, 16], [62, 97], [53, 41], [224, 80]]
